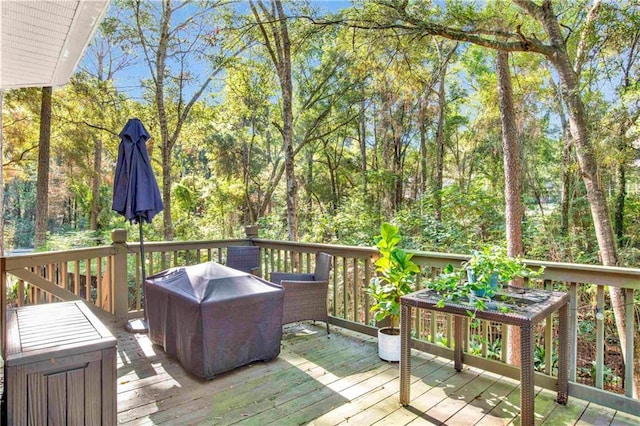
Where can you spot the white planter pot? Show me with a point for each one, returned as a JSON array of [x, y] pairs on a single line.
[[388, 345]]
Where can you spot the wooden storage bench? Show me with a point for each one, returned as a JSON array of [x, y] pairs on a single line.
[[60, 366]]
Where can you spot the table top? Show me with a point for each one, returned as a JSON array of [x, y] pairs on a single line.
[[510, 305], [40, 332]]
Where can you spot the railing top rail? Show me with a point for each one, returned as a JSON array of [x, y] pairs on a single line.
[[44, 258], [334, 249], [555, 271], [156, 246]]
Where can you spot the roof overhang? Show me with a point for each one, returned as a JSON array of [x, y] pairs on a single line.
[[42, 42]]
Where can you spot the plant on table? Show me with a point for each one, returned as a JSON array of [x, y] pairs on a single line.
[[395, 276], [484, 271]]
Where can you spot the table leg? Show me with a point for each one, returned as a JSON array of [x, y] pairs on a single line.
[[563, 351], [405, 354], [458, 336], [527, 390]]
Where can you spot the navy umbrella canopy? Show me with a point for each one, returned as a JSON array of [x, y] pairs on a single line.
[[136, 195]]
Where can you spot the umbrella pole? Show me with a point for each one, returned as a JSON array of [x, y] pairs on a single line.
[[140, 325], [144, 273]]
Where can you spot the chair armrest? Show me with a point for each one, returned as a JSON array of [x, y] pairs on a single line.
[[278, 277]]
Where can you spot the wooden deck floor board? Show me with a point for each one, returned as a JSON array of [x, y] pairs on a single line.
[[328, 381]]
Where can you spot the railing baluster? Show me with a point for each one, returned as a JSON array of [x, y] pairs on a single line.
[[138, 286], [573, 331], [335, 286], [433, 327], [151, 269], [75, 287], [345, 287], [64, 272], [548, 336], [356, 292], [485, 338], [99, 300], [20, 292], [600, 337], [367, 280], [629, 309], [87, 279]]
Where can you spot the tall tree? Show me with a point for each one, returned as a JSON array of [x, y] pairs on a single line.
[[272, 22], [174, 38], [443, 59], [42, 187], [408, 18], [105, 57], [513, 181]]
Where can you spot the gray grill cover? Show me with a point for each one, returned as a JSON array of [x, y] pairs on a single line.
[[213, 318]]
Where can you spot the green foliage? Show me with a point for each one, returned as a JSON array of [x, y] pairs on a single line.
[[490, 260], [484, 270], [395, 275]]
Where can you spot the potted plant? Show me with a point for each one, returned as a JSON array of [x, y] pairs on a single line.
[[490, 266], [478, 279], [395, 276]]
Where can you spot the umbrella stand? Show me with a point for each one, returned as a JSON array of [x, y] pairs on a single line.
[[140, 325], [136, 195]]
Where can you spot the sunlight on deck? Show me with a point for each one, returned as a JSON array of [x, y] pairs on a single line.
[[327, 381]]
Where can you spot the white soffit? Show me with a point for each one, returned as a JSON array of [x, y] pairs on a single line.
[[42, 42]]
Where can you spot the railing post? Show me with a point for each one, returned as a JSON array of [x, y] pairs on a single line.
[[251, 231], [120, 284]]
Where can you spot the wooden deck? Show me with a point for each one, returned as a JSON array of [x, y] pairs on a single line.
[[322, 381]]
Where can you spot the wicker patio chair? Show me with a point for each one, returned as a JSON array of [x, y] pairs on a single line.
[[305, 295], [244, 258]]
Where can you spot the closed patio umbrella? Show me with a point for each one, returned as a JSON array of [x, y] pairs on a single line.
[[136, 195]]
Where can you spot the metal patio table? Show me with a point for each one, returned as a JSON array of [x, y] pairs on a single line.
[[526, 307]]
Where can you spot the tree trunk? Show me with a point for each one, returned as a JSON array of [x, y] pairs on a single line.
[[618, 216], [95, 184], [437, 186], [166, 194], [279, 47], [363, 144], [287, 124], [165, 142], [422, 126], [512, 183], [586, 159], [42, 188], [567, 181]]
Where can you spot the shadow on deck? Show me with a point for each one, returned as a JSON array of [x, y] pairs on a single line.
[[323, 381]]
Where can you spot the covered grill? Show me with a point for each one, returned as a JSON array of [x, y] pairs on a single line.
[[213, 318]]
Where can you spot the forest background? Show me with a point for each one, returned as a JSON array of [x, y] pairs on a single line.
[[319, 120]]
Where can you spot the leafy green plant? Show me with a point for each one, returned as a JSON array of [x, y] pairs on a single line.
[[484, 270], [539, 359], [395, 275], [491, 265]]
